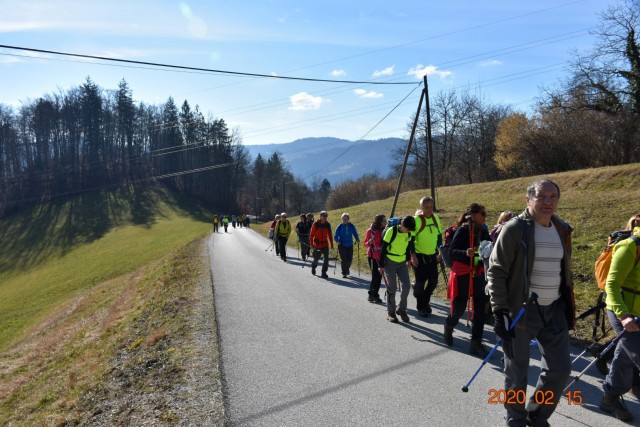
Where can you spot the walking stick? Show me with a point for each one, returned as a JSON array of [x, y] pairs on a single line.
[[470, 292], [335, 262], [533, 297], [358, 242], [269, 247], [611, 345]]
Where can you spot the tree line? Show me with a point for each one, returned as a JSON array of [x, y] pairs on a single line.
[[88, 139]]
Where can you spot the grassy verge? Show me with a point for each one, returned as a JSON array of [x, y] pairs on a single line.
[[52, 253], [116, 353], [595, 201]]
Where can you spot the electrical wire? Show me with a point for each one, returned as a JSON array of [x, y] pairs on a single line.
[[208, 70]]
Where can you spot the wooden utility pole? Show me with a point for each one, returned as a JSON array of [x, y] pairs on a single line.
[[406, 154], [430, 145]]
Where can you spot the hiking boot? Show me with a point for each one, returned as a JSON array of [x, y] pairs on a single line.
[[448, 335], [324, 276], [403, 315], [313, 271], [378, 300], [614, 404], [371, 299], [392, 318], [344, 276], [424, 313], [477, 349], [534, 420]]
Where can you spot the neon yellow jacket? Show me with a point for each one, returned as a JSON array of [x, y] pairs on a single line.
[[623, 280]]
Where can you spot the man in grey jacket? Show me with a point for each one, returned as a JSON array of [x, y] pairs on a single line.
[[533, 256]]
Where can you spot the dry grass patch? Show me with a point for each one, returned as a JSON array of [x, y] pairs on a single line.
[[112, 355]]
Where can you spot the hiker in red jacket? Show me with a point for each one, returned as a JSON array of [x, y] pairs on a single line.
[[320, 238]]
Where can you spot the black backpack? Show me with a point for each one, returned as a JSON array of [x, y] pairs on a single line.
[[446, 245]]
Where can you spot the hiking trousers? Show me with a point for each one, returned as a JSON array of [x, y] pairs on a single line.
[[282, 247], [426, 280], [304, 245], [400, 270], [376, 278], [625, 358], [346, 258], [317, 253], [459, 305], [549, 326]]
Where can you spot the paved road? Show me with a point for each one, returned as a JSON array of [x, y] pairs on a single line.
[[300, 350]]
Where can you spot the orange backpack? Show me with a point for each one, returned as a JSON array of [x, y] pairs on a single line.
[[603, 263]]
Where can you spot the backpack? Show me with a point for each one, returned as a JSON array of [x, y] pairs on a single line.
[[424, 223], [603, 263], [446, 245], [392, 223]]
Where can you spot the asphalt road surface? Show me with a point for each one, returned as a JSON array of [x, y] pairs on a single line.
[[299, 350]]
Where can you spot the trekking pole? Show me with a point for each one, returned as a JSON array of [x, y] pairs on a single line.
[[591, 347], [269, 247], [335, 262], [611, 345], [358, 242], [533, 297], [444, 272], [470, 292]]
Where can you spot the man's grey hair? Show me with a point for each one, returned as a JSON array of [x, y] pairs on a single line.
[[426, 199], [532, 190]]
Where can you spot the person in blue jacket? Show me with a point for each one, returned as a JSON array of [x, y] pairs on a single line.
[[345, 233]]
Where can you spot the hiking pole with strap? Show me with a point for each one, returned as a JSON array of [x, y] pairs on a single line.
[[611, 345], [269, 247], [533, 297]]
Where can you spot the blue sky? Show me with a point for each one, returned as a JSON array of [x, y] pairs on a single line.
[[504, 51]]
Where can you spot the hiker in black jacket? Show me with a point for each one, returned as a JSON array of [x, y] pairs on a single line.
[[302, 229]]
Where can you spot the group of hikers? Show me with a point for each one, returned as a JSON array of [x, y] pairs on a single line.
[[522, 265], [234, 220]]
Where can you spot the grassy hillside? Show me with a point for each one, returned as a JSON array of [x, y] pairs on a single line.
[[595, 201], [50, 253], [97, 300]]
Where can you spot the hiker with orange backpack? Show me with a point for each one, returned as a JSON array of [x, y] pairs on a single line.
[[428, 237], [623, 308], [467, 280]]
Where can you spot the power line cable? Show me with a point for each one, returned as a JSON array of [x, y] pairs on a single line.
[[364, 136], [208, 70]]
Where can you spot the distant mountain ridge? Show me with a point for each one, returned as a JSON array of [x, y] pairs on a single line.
[[338, 159]]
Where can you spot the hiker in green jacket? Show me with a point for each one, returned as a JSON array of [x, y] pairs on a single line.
[[282, 232], [428, 236], [623, 308]]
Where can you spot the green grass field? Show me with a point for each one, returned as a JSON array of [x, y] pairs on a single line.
[[50, 253], [595, 201]]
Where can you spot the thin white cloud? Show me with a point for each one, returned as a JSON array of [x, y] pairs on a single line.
[[419, 71], [9, 60], [368, 94], [338, 73], [384, 72], [303, 101], [490, 63]]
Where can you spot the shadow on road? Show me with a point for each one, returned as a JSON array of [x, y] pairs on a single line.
[[320, 393]]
